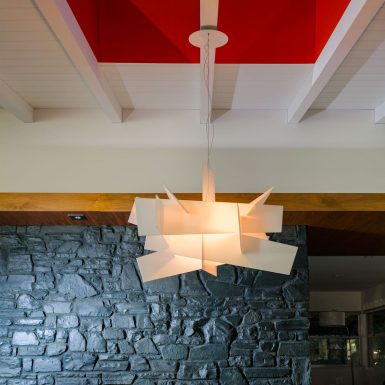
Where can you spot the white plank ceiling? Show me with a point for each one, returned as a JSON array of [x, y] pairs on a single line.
[[158, 86], [33, 63], [35, 66], [263, 86], [176, 86]]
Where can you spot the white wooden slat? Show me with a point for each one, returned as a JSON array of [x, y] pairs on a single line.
[[14, 25], [32, 62], [47, 45], [4, 4], [46, 90], [40, 77], [18, 13], [25, 69], [20, 56], [59, 96], [63, 103], [25, 36], [42, 83], [362, 76], [151, 72]]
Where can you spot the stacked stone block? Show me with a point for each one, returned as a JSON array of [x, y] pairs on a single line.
[[73, 310]]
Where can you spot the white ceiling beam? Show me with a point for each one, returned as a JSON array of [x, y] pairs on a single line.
[[13, 103], [379, 114], [64, 25], [207, 39], [209, 13], [208, 18], [352, 24]]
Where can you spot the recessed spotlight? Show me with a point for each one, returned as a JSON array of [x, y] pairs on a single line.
[[77, 217]]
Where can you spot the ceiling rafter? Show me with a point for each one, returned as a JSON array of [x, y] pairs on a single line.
[[13, 103], [379, 114], [353, 23], [63, 23], [208, 39]]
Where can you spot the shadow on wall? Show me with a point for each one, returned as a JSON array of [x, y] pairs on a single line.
[[73, 310]]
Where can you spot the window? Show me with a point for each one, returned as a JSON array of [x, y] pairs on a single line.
[[334, 345], [376, 338]]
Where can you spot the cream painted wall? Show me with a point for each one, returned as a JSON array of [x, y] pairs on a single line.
[[373, 297], [335, 300], [81, 151]]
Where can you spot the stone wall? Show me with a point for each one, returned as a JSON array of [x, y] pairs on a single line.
[[73, 310]]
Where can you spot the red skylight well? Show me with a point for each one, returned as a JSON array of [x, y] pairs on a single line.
[[153, 31]]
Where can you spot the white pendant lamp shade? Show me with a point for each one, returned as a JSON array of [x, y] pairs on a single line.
[[189, 235]]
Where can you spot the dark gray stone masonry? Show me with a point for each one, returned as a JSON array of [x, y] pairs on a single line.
[[74, 311]]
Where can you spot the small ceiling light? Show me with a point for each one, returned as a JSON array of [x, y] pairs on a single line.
[[77, 217]]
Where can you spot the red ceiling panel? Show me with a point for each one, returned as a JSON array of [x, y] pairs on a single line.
[[154, 31], [328, 14]]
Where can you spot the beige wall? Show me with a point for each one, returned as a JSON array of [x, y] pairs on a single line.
[[373, 297], [81, 151], [335, 300]]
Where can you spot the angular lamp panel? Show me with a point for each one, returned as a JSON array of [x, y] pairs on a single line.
[[201, 235]]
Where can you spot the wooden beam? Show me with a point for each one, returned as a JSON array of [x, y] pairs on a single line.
[[292, 202], [338, 224], [13, 103], [353, 23], [64, 25], [343, 224]]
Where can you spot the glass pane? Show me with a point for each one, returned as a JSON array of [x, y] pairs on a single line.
[[352, 349], [334, 350], [334, 345], [377, 350], [337, 350], [379, 322], [376, 330], [352, 324]]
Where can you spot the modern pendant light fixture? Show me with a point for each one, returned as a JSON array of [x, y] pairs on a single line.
[[186, 235], [192, 235]]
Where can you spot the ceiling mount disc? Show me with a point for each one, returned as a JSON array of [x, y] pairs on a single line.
[[200, 38]]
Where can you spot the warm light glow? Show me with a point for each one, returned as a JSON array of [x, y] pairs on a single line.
[[192, 235]]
